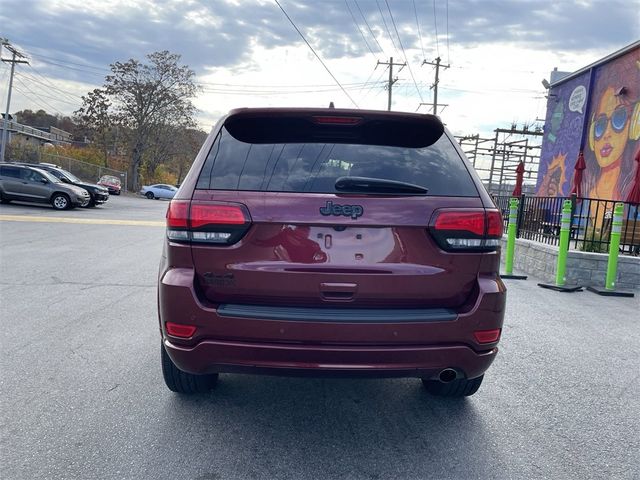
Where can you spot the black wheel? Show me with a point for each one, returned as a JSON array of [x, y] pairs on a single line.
[[462, 387], [91, 204], [149, 195], [183, 382], [3, 199], [60, 201]]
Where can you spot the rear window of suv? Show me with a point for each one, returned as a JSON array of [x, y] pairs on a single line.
[[314, 167]]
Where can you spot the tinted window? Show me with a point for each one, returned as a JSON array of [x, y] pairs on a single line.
[[314, 167], [56, 174], [37, 175], [64, 175], [10, 172], [31, 175]]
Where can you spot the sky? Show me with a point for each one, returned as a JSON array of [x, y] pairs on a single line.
[[246, 53]]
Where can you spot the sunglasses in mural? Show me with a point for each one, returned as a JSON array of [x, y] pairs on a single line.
[[618, 120]]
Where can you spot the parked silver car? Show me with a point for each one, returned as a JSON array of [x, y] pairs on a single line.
[[30, 184], [159, 190]]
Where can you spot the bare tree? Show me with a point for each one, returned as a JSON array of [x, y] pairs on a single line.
[[149, 101]]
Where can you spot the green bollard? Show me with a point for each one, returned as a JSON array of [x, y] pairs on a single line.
[[563, 250], [511, 241], [612, 264], [563, 247], [614, 245]]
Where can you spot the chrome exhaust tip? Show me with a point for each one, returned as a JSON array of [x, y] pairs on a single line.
[[448, 375]]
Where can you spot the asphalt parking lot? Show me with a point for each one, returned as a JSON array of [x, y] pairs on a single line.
[[82, 394]]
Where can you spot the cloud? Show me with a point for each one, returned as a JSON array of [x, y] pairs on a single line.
[[221, 33], [492, 45]]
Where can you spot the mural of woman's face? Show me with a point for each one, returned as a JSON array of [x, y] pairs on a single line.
[[610, 129]]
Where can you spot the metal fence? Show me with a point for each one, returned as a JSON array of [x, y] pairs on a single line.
[[591, 220], [86, 171]]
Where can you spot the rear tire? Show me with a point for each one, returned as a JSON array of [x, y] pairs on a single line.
[[183, 382], [60, 201], [461, 387], [3, 199], [149, 195]]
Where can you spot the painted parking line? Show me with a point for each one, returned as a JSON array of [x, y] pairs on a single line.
[[86, 221]]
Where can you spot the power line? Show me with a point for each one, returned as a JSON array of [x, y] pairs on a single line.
[[387, 28], [448, 57], [415, 10], [377, 81], [40, 95], [86, 65], [314, 52], [50, 85], [355, 84], [403, 52], [368, 78], [367, 24], [73, 98], [73, 68], [435, 24], [359, 29], [38, 100], [274, 92], [506, 90]]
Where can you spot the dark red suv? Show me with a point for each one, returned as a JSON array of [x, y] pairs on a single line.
[[331, 242]]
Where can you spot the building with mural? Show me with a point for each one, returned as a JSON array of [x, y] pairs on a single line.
[[596, 111]]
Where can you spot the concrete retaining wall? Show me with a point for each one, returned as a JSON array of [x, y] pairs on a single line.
[[584, 268]]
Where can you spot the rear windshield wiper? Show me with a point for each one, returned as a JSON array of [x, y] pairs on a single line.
[[378, 185]]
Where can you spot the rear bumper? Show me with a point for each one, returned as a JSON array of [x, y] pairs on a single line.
[[315, 346], [217, 356]]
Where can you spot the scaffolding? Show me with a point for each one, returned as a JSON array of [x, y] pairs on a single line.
[[496, 158]]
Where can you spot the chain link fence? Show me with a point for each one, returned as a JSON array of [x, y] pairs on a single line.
[[83, 170]]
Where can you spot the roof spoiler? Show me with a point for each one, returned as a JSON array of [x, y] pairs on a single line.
[[331, 125]]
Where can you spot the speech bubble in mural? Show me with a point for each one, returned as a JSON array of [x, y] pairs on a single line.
[[578, 99]]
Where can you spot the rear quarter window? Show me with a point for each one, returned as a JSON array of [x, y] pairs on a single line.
[[314, 167], [10, 172]]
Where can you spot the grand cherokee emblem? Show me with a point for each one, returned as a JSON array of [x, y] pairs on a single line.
[[353, 211]]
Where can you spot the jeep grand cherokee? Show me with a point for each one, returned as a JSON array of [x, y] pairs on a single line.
[[331, 242]]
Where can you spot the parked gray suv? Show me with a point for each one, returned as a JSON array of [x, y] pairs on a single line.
[[30, 184]]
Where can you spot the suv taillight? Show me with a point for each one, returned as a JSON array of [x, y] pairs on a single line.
[[467, 230], [207, 222]]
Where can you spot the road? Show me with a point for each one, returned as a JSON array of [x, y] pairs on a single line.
[[82, 394]]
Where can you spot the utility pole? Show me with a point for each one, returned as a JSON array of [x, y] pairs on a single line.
[[391, 79], [12, 61], [435, 84]]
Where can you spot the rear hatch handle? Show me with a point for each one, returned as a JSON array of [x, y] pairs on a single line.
[[338, 292]]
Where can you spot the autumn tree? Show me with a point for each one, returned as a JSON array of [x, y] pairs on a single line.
[[94, 116], [148, 101]]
